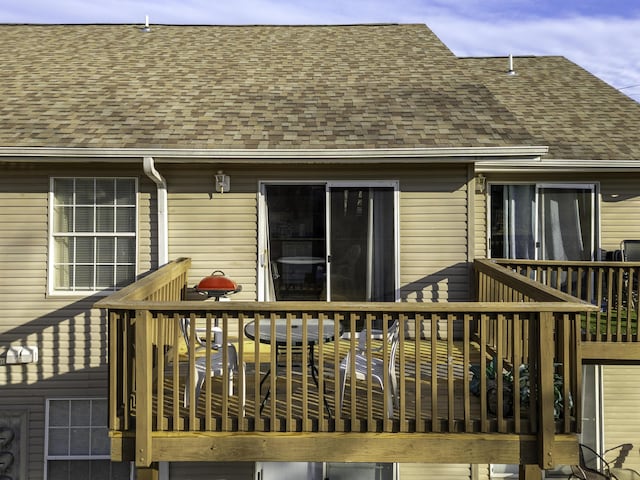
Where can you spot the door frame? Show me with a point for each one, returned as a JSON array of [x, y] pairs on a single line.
[[262, 230]]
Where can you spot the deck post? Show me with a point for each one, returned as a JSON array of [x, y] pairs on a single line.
[[530, 472], [144, 387], [546, 426], [148, 473]]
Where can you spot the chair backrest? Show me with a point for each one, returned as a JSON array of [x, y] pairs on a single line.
[[592, 465], [185, 328], [393, 339], [630, 250]]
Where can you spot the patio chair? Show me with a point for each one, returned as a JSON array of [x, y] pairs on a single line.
[[630, 252], [592, 466], [377, 365], [217, 367]]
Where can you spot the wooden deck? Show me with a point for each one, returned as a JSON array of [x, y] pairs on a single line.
[[518, 324]]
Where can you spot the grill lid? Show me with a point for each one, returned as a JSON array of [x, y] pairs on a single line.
[[217, 284]]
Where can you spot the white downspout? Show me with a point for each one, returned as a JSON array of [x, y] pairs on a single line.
[[163, 223]]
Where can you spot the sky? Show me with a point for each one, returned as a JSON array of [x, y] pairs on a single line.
[[602, 36]]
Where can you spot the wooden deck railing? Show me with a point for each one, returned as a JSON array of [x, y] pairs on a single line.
[[611, 286], [531, 345]]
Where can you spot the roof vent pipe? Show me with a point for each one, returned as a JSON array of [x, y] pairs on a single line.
[[163, 223], [146, 24], [511, 70]]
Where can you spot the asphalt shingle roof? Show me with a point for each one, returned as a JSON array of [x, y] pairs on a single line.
[[578, 115], [294, 87], [265, 87]]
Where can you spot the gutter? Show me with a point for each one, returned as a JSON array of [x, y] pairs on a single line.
[[556, 165], [163, 221], [341, 155]]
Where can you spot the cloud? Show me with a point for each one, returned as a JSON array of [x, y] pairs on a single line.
[[605, 47]]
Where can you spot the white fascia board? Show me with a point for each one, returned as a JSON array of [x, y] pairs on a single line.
[[399, 155], [557, 165]]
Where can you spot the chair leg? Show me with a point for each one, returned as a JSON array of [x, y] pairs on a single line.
[[243, 393], [343, 384], [394, 386]]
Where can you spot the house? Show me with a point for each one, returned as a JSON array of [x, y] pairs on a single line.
[[310, 164]]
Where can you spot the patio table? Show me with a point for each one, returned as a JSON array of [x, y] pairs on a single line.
[[314, 336]]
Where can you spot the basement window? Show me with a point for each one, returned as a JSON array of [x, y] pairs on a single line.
[[77, 442]]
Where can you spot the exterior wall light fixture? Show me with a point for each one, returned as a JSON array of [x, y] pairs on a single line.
[[481, 184], [223, 182]]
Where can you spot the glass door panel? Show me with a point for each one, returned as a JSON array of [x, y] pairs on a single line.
[[362, 244], [296, 242], [545, 222], [566, 223]]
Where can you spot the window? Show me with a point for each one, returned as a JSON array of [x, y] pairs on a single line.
[[93, 233], [77, 442]]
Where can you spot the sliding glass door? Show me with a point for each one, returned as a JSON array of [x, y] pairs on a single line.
[[330, 241], [543, 221]]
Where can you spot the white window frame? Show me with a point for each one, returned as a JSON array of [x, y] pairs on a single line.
[[328, 184], [53, 290], [51, 458]]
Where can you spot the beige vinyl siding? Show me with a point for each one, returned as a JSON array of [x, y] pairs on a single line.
[[480, 204], [219, 231], [433, 235], [211, 471], [621, 401], [620, 204], [434, 471], [70, 336]]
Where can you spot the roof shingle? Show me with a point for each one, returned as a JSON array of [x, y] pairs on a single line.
[[295, 87]]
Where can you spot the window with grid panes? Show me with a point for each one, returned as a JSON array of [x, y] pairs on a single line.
[[93, 232], [77, 441]]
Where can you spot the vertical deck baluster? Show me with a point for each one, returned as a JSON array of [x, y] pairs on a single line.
[[158, 373], [339, 421], [484, 421], [499, 378], [450, 373], [353, 417], [288, 375], [419, 319], [322, 422], [175, 372], [304, 364], [273, 366], [466, 377], [401, 359], [207, 379], [516, 339], [368, 328], [435, 421], [242, 380], [191, 393]]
